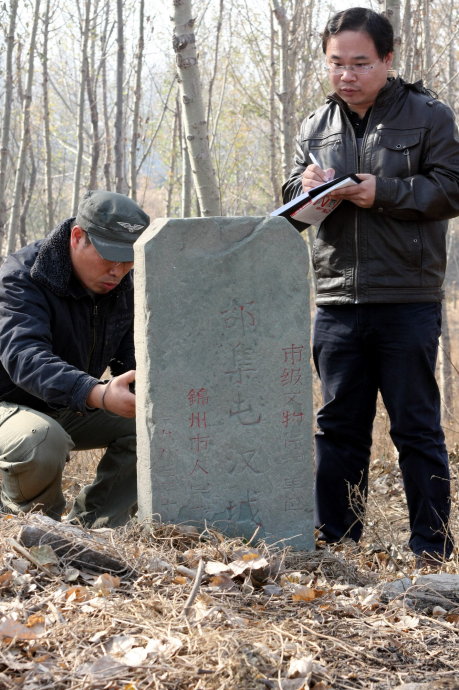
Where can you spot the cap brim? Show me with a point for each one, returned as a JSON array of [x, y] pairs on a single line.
[[113, 251]]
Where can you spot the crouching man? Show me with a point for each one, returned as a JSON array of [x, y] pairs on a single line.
[[66, 315]]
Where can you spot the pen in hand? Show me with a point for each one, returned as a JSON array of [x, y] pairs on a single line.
[[314, 159], [329, 176]]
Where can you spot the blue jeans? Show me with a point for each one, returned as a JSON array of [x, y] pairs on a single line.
[[358, 350]]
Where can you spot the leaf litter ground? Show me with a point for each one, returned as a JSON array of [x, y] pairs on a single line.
[[205, 612]]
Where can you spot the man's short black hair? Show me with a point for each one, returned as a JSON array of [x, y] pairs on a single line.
[[87, 240], [377, 26]]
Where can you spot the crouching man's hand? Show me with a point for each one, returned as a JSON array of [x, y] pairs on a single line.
[[114, 396]]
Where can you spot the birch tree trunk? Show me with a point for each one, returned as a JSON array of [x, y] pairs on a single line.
[[107, 131], [216, 56], [175, 146], [195, 123], [285, 94], [80, 126], [25, 138], [407, 48], [46, 125], [452, 62], [91, 90], [6, 120], [137, 97], [445, 370], [445, 367], [28, 187], [120, 183], [186, 179], [427, 62], [392, 12], [272, 120]]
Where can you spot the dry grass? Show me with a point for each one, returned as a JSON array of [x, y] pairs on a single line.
[[306, 620]]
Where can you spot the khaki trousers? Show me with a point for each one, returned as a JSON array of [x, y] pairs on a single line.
[[34, 448]]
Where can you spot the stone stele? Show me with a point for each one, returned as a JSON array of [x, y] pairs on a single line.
[[224, 411]]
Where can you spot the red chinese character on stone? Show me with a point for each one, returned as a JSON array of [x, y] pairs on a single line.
[[198, 397], [288, 417], [199, 443], [198, 419], [290, 377], [293, 354]]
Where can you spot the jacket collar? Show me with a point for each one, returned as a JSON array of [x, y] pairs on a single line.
[[52, 267]]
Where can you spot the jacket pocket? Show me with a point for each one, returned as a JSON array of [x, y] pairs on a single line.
[[397, 153], [332, 255], [395, 257], [327, 149]]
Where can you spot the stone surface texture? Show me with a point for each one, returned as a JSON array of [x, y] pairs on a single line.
[[224, 411]]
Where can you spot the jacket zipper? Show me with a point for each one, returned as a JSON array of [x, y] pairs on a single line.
[[95, 314], [408, 160], [356, 225]]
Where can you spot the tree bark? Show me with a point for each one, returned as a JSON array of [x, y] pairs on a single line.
[[452, 61], [216, 56], [427, 62], [273, 170], [286, 89], [80, 126], [120, 182], [193, 110], [186, 178], [175, 147], [6, 120], [137, 98], [46, 124], [91, 90], [392, 12], [108, 137], [445, 367], [73, 545], [407, 47], [27, 192], [25, 138], [445, 370]]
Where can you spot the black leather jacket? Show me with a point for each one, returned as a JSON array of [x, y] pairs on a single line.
[[396, 250], [56, 338]]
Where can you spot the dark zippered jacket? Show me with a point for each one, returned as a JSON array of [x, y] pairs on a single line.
[[57, 338], [394, 251]]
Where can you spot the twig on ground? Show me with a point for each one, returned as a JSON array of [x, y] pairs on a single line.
[[194, 589], [28, 556]]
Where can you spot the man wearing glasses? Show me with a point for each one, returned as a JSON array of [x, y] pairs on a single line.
[[66, 315], [379, 262]]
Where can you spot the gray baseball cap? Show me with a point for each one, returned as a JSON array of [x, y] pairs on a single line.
[[113, 222]]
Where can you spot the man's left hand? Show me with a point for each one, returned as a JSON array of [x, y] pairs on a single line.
[[114, 396], [362, 194]]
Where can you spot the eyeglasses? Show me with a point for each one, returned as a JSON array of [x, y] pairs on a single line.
[[358, 68]]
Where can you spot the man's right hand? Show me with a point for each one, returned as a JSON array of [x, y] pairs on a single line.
[[314, 175], [114, 396]]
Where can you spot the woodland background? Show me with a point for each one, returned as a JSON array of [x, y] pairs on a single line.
[[190, 108]]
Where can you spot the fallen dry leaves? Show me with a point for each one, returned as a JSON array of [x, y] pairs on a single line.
[[259, 618]]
